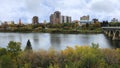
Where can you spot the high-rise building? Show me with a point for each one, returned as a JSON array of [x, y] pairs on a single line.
[[35, 20], [52, 18], [55, 18], [20, 22], [63, 19], [66, 19]]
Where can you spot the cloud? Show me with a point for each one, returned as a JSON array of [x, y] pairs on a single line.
[[107, 6], [26, 9]]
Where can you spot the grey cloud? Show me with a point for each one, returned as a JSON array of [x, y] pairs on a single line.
[[107, 6]]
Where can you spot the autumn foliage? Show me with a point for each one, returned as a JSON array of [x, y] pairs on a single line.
[[77, 57]]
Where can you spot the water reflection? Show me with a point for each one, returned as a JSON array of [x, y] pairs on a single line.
[[115, 44], [57, 41]]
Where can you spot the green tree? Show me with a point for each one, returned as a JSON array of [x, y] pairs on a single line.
[[14, 48], [6, 62], [3, 51]]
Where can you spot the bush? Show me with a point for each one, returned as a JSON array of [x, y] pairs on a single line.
[[77, 57]]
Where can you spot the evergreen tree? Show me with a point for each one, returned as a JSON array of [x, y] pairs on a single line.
[[28, 46]]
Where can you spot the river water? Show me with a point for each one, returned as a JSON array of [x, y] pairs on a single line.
[[57, 41]]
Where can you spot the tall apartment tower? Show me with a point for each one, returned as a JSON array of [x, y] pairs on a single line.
[[55, 18], [20, 22], [63, 19], [52, 18], [35, 20]]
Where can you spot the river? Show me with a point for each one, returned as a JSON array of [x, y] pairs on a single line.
[[57, 41]]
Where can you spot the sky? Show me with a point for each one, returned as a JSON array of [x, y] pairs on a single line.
[[13, 10]]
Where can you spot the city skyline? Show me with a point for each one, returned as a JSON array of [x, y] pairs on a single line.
[[25, 9]]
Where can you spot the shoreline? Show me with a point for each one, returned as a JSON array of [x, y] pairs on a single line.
[[55, 32], [58, 32]]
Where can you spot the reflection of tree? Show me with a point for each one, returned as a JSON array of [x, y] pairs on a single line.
[[116, 44], [55, 40], [113, 44]]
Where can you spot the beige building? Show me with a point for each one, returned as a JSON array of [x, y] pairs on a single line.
[[85, 18]]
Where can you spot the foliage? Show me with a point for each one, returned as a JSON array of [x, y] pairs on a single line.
[[77, 57], [114, 24], [13, 48], [53, 28], [6, 62]]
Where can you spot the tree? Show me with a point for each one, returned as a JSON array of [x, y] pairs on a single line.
[[3, 51], [28, 46], [87, 25], [13, 48]]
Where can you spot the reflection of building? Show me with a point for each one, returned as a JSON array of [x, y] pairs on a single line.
[[95, 20], [65, 19], [35, 20], [55, 41], [114, 20], [84, 19], [55, 18]]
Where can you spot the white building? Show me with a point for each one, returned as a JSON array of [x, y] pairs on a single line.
[[66, 19]]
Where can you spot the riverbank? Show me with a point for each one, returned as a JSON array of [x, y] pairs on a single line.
[[59, 31]]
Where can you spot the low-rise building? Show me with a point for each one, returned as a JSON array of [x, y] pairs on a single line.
[[85, 19], [114, 20]]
